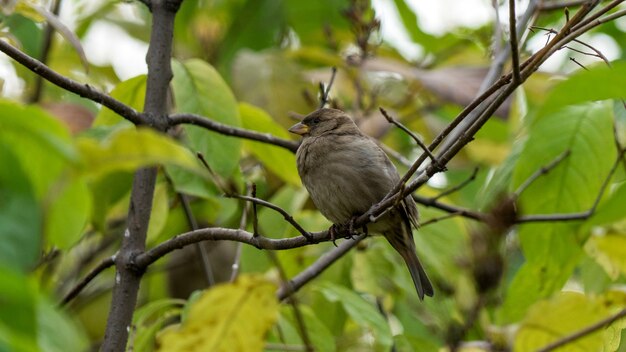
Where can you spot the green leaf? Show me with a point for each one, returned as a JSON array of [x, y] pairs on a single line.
[[440, 245], [131, 92], [291, 199], [612, 209], [56, 331], [278, 160], [107, 190], [27, 317], [68, 214], [607, 83], [372, 270], [307, 18], [199, 89], [130, 149], [362, 313], [20, 215], [552, 249], [319, 335], [41, 143], [257, 25], [152, 317], [18, 311]]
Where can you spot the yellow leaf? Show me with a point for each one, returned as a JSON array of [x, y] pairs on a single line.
[[229, 317], [609, 251], [568, 312]]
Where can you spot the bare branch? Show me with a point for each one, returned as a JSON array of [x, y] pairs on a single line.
[[318, 267], [143, 260], [584, 332], [409, 132], [45, 52], [243, 223], [513, 40], [276, 208], [325, 92], [466, 213], [193, 119], [439, 218], [200, 250], [457, 187], [304, 334], [105, 264], [128, 276]]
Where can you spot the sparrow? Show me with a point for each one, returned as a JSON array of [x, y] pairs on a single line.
[[345, 173]]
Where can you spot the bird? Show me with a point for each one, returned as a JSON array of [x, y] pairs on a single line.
[[345, 173]]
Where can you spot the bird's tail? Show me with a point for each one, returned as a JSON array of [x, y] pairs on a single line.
[[420, 279], [402, 241]]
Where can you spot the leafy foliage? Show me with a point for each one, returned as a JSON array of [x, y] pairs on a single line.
[[65, 181]]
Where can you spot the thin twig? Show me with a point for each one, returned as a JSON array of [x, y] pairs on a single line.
[[439, 218], [394, 154], [572, 59], [104, 264], [242, 226], [466, 213], [584, 332], [318, 267], [544, 170], [45, 52], [276, 208], [255, 218], [200, 249], [217, 179], [325, 92], [409, 132], [292, 300], [457, 187], [197, 120], [597, 52], [513, 40]]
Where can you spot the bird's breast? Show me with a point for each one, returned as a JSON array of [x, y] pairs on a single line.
[[344, 178]]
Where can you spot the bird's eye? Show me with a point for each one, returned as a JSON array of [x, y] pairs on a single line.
[[315, 120]]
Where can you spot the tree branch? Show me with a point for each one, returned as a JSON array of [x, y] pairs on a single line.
[[276, 208], [105, 264], [128, 275], [143, 260], [193, 119], [83, 90], [513, 40], [318, 267]]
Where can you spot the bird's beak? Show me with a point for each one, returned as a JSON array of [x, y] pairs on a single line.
[[299, 128]]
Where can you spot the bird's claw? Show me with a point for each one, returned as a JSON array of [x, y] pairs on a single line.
[[337, 229], [332, 231]]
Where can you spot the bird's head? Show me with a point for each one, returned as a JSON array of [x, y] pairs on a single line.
[[322, 121]]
